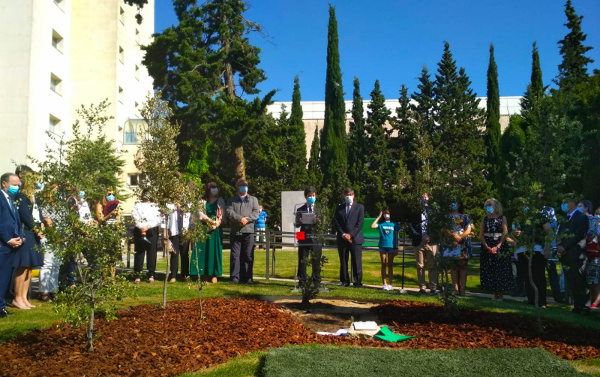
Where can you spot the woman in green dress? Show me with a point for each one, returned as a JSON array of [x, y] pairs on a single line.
[[207, 256]]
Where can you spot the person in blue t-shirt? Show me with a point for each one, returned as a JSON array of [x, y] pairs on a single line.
[[388, 249], [260, 226]]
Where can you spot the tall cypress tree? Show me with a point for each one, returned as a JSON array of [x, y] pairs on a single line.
[[356, 141], [572, 70], [314, 172], [333, 141], [377, 154], [492, 120], [530, 103], [296, 142]]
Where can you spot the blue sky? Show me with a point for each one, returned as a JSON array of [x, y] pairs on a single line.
[[391, 40]]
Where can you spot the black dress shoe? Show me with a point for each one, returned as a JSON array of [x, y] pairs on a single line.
[[4, 313], [358, 286], [345, 284]]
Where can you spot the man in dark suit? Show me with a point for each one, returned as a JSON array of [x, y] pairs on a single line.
[[348, 219], [242, 212], [572, 249], [306, 216], [11, 237]]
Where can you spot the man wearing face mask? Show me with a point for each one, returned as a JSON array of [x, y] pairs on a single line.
[[349, 217], [305, 219], [242, 211], [11, 237], [573, 254]]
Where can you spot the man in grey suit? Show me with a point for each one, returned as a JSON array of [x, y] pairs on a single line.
[[242, 211], [349, 217]]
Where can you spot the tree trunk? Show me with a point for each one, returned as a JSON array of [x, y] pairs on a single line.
[[536, 295], [199, 284], [90, 332], [168, 255], [240, 165]]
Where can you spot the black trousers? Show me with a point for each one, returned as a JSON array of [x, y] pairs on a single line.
[[346, 249], [6, 274], [303, 255], [574, 268], [241, 260], [146, 249], [538, 273], [181, 249]]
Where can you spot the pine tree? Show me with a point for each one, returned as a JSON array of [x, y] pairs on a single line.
[[423, 108], [458, 133], [511, 147], [314, 173], [378, 158], [202, 65], [333, 140], [492, 121], [573, 68], [356, 142]]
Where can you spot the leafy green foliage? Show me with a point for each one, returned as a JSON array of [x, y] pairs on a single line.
[[357, 144], [314, 171], [91, 163]]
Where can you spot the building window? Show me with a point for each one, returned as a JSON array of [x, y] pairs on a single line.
[[135, 179], [55, 84], [121, 55], [122, 15], [57, 41], [54, 125], [121, 95], [137, 71]]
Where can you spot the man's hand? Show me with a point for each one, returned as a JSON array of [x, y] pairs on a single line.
[[347, 237], [15, 242], [244, 221]]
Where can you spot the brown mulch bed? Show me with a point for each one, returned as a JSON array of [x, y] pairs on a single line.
[[482, 329], [148, 341]]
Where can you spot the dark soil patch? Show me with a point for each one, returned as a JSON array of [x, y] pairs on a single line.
[[148, 341]]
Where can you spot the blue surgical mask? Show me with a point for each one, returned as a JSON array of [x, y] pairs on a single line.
[[39, 185], [13, 189], [489, 209], [311, 200], [110, 198], [597, 217], [82, 194], [349, 199], [243, 189], [564, 207], [386, 216], [580, 209], [453, 207]]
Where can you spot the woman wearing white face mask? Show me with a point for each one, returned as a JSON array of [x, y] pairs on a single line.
[[496, 267], [388, 232], [207, 256]]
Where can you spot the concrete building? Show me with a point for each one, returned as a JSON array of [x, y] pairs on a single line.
[[58, 55], [313, 113]]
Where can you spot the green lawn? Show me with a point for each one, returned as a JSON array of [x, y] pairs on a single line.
[[286, 264], [332, 361]]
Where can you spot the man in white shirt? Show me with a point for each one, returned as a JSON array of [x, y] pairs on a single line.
[[178, 222], [147, 218]]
